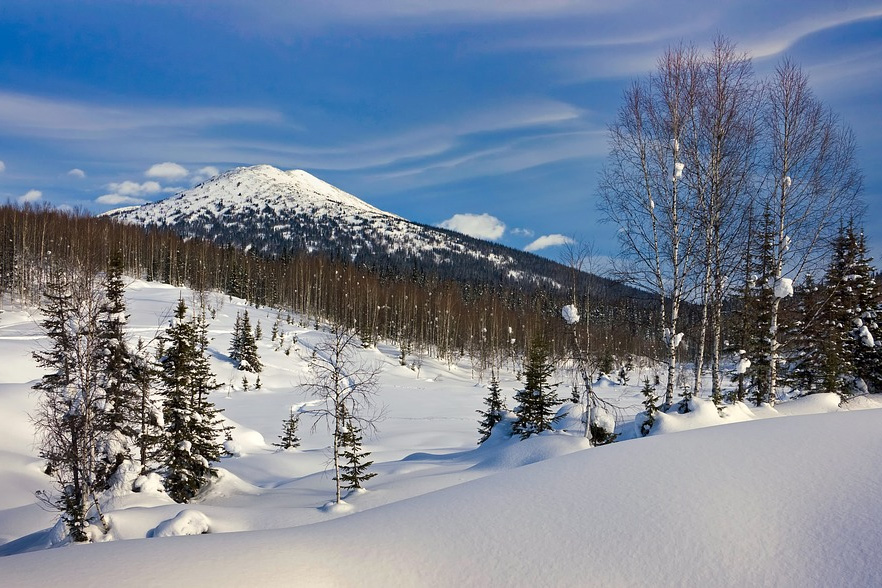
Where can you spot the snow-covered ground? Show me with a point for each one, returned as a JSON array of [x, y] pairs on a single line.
[[788, 501]]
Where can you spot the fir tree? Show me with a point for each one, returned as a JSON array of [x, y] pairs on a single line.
[[650, 406], [353, 471], [757, 306], [289, 439], [145, 372], [495, 407], [536, 401], [119, 416], [236, 341], [248, 359], [191, 421], [865, 350]]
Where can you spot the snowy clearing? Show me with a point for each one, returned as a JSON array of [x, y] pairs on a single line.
[[784, 501]]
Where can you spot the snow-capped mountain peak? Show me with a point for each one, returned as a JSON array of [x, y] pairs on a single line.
[[249, 189], [274, 212]]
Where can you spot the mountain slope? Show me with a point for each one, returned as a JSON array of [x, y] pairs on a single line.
[[274, 212]]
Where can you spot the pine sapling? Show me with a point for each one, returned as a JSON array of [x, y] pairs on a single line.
[[495, 407], [650, 405], [289, 439]]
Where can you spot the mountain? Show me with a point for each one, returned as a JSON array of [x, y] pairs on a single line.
[[276, 213]]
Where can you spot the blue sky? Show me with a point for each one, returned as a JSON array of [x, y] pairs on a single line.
[[489, 115]]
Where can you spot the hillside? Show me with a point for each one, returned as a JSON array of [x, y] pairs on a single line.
[[793, 506]]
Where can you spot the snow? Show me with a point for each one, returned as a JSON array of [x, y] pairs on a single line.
[[678, 169], [186, 522], [866, 337], [742, 366], [689, 505], [783, 287], [570, 314]]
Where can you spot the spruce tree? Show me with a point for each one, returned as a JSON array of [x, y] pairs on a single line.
[[248, 359], [236, 342], [758, 307], [191, 421], [119, 418], [650, 406], [289, 439], [866, 350], [495, 407], [537, 400], [353, 470], [145, 372]]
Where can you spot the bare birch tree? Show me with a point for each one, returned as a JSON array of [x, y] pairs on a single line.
[[811, 185], [642, 189], [346, 385], [725, 164]]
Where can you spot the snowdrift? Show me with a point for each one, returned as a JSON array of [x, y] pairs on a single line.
[[786, 502]]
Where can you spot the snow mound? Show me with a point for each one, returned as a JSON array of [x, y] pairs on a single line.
[[148, 484], [186, 522], [537, 448], [337, 508]]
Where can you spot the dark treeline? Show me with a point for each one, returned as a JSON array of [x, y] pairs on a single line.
[[416, 310]]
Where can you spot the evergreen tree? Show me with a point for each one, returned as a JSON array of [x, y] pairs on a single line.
[[758, 306], [536, 401], [248, 359], [145, 372], [495, 407], [353, 471], [650, 406], [191, 421], [70, 409], [866, 351], [289, 439], [236, 342], [119, 418]]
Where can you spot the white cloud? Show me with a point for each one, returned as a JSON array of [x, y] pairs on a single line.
[[2, 167], [522, 232], [116, 199], [30, 196], [546, 241], [167, 170], [129, 188], [480, 226], [204, 173], [128, 192], [77, 173]]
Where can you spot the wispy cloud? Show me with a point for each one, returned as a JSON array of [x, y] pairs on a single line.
[[2, 167], [781, 38], [480, 226], [39, 117], [546, 241], [77, 173]]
